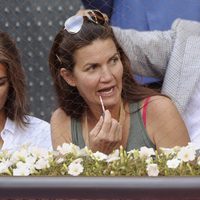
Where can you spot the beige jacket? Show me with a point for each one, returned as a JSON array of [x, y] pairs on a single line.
[[173, 55]]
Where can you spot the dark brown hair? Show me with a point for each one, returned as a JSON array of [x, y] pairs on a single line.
[[16, 104], [61, 55]]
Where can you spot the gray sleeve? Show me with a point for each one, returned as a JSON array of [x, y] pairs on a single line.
[[149, 52]]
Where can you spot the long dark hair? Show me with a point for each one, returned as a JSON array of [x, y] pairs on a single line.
[[16, 104], [61, 56]]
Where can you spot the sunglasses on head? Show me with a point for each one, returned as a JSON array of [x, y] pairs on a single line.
[[73, 24]]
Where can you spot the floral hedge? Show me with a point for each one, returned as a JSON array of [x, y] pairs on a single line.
[[70, 160]]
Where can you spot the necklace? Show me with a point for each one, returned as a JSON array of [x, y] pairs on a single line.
[[85, 123]]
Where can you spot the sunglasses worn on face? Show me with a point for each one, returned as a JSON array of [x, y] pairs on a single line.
[[73, 24]]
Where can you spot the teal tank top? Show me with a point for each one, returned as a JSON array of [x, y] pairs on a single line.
[[138, 136]]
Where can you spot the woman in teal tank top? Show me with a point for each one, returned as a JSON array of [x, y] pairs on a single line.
[[100, 103]]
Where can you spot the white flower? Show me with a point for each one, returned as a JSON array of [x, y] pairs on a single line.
[[198, 160], [19, 155], [149, 160], [39, 152], [167, 151], [77, 161], [186, 154], [31, 160], [65, 148], [193, 146], [26, 165], [174, 163], [4, 166], [69, 148], [152, 170], [100, 156], [42, 163], [4, 155], [60, 160], [146, 152], [75, 169], [132, 151], [113, 156], [85, 151], [135, 153], [21, 170]]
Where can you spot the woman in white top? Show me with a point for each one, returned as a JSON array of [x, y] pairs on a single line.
[[16, 127]]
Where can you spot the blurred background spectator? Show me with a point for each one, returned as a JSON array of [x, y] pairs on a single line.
[[146, 15], [33, 25]]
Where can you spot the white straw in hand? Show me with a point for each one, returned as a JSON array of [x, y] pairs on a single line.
[[103, 108]]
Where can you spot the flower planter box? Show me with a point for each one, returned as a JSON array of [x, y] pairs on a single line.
[[100, 188]]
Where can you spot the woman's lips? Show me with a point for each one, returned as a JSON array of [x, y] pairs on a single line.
[[106, 92]]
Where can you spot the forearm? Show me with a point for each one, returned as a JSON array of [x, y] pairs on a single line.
[[149, 52]]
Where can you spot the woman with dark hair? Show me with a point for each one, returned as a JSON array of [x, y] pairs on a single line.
[[16, 127], [100, 104]]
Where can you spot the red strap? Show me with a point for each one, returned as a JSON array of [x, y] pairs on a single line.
[[144, 112]]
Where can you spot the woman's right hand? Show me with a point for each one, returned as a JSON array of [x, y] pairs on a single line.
[[106, 136], [84, 12]]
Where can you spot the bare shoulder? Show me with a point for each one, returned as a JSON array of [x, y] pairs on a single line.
[[159, 104], [161, 110], [163, 121], [58, 116], [60, 127]]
